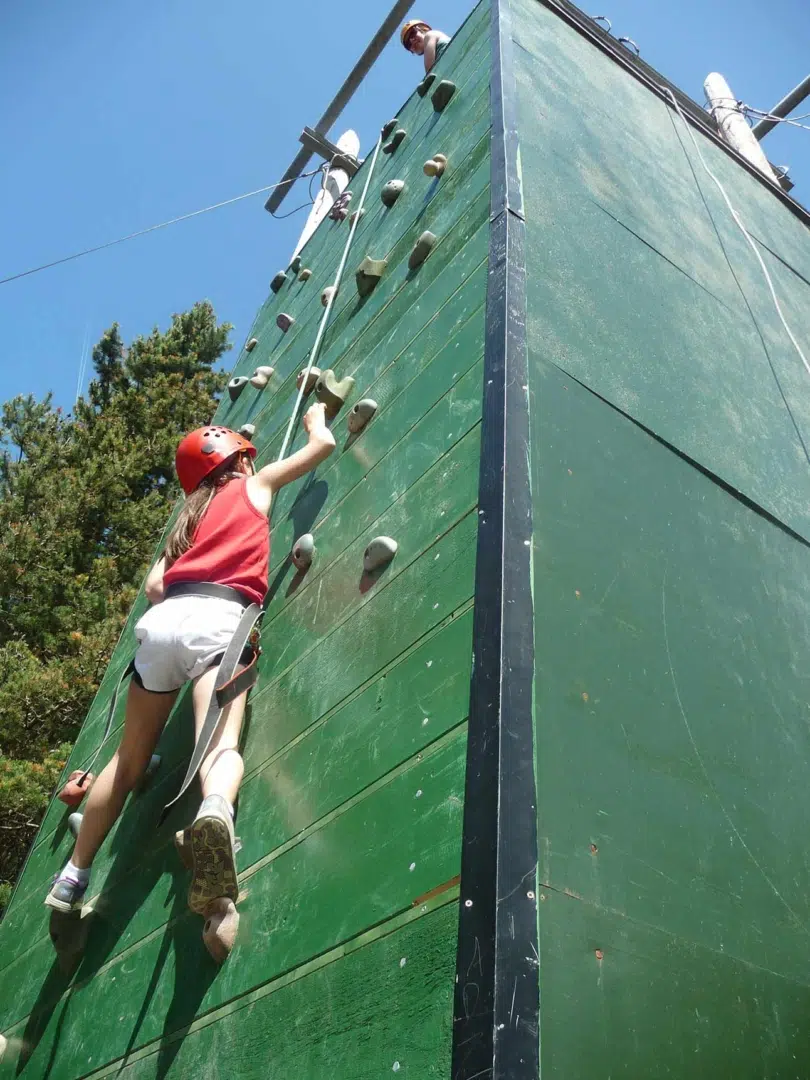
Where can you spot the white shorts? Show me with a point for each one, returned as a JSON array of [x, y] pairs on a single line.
[[181, 638]]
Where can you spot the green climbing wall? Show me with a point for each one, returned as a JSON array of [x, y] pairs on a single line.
[[670, 425], [350, 813]]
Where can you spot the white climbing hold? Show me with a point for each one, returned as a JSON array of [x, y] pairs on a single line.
[[284, 321], [379, 553], [312, 379], [251, 345], [261, 376], [236, 386], [247, 431], [435, 166], [303, 550], [75, 823], [327, 294], [360, 414]]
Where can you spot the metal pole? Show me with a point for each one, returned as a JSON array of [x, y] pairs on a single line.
[[342, 97], [785, 106], [732, 125], [336, 183]]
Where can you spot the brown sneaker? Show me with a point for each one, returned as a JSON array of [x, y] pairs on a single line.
[[213, 854]]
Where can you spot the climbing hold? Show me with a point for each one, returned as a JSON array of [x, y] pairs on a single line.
[[327, 294], [333, 391], [149, 772], [76, 787], [75, 823], [3, 1045], [398, 136], [426, 84], [261, 376], [251, 345], [236, 386], [312, 379], [305, 274], [442, 94], [361, 414], [303, 550], [421, 249], [295, 265], [435, 166], [284, 321], [68, 933], [182, 843], [340, 207], [278, 281], [247, 431], [389, 127], [392, 191], [221, 926], [379, 552], [356, 215], [368, 273]]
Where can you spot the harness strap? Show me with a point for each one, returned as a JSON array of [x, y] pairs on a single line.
[[230, 686], [128, 670]]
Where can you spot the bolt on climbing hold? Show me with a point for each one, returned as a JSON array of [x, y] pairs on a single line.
[[295, 265], [261, 376], [247, 431], [435, 166], [361, 414], [333, 391], [251, 345], [303, 551], [312, 379], [284, 321], [236, 386], [442, 94], [421, 249], [327, 294], [395, 141], [76, 787], [220, 929], [426, 84], [356, 215], [389, 127], [391, 192], [368, 273], [379, 553], [75, 823], [278, 281], [305, 274]]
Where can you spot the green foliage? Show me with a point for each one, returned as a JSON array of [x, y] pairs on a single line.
[[83, 501]]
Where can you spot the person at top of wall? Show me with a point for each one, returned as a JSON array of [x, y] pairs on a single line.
[[421, 40], [222, 538]]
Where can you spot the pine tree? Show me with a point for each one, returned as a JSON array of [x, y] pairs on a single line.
[[83, 500]]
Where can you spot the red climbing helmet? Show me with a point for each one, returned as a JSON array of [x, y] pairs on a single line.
[[201, 451]]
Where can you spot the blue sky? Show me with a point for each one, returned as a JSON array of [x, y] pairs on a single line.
[[118, 116]]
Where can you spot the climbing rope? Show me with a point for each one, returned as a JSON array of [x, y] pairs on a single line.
[[325, 317]]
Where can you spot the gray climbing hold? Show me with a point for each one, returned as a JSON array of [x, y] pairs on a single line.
[[303, 550], [442, 94], [368, 273], [261, 376], [392, 191], [312, 379], [75, 823], [149, 773], [356, 214], [379, 553], [295, 265], [421, 249], [389, 127], [236, 386], [305, 274], [3, 1045], [251, 345], [435, 166], [397, 138], [247, 431], [361, 413], [426, 84], [333, 391], [284, 321], [278, 281], [327, 294]]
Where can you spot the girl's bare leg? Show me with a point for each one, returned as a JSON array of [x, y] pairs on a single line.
[[222, 768]]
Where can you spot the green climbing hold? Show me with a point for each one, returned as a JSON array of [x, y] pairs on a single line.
[[360, 415], [398, 136], [368, 273], [247, 431], [284, 321], [389, 127], [391, 192], [426, 84], [236, 386], [379, 553], [305, 274], [312, 379], [421, 249], [278, 281], [303, 550], [261, 376], [295, 265], [333, 391], [442, 94], [251, 345]]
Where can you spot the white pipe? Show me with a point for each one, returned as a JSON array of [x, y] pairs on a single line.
[[338, 179], [732, 124]]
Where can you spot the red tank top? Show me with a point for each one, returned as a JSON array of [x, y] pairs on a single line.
[[231, 545]]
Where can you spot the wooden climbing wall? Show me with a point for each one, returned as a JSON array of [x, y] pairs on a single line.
[[671, 483], [350, 813]]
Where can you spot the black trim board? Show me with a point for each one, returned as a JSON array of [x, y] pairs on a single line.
[[496, 1006]]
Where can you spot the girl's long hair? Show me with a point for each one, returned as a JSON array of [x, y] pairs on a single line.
[[182, 535]]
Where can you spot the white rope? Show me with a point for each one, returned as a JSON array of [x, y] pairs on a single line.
[[325, 317], [668, 93]]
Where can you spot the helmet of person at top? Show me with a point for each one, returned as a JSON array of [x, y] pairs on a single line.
[[408, 29], [205, 449]]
